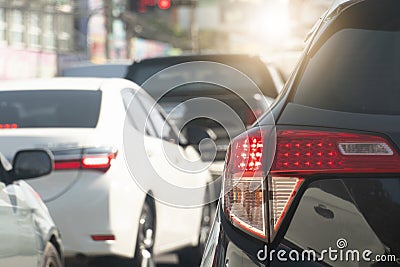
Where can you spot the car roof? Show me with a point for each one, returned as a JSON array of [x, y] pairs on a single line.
[[334, 8], [91, 63], [54, 84], [108, 70], [157, 64], [196, 57]]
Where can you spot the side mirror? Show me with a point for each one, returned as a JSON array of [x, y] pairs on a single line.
[[30, 164]]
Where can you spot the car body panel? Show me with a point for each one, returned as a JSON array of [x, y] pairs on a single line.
[[16, 227], [295, 114], [26, 226]]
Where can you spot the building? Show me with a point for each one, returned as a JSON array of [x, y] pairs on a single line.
[[33, 33]]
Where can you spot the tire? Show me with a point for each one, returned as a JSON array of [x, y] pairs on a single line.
[[145, 238], [51, 258], [191, 256]]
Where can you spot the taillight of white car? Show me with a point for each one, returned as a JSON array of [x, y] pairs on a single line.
[[268, 164], [95, 158]]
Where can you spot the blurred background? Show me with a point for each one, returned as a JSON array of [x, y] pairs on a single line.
[[38, 38]]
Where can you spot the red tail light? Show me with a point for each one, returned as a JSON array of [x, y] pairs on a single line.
[[97, 162], [244, 183], [286, 161], [65, 165], [89, 158], [316, 151], [8, 126]]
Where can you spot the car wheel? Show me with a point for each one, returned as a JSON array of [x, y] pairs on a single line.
[[145, 238], [192, 256], [51, 258]]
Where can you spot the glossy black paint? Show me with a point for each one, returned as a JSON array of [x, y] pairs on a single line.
[[365, 211]]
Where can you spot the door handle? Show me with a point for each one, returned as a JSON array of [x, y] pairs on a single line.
[[323, 211]]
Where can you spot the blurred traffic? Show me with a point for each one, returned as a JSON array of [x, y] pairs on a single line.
[[135, 102]]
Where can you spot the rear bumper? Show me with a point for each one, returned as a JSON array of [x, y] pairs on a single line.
[[227, 246], [98, 204]]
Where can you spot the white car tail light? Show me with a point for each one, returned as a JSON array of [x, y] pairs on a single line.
[[8, 126], [259, 167], [283, 190], [88, 158]]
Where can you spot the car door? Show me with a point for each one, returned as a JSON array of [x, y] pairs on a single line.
[[29, 253], [8, 230], [19, 244]]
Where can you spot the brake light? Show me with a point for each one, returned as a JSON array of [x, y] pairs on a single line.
[[259, 167], [8, 126], [97, 162], [244, 183], [89, 158], [64, 165], [304, 151]]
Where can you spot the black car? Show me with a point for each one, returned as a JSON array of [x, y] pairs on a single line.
[[112, 69], [317, 181], [244, 83]]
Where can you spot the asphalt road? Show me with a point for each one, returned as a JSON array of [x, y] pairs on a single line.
[[170, 260]]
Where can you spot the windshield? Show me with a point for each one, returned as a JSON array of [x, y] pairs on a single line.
[[100, 71], [254, 69], [356, 66], [50, 108]]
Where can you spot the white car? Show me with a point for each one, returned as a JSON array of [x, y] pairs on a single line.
[[123, 185], [28, 235]]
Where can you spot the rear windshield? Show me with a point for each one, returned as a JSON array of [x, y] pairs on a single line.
[[50, 108], [355, 67], [255, 69], [100, 71]]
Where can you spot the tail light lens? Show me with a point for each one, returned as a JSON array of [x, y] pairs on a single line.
[[88, 158], [308, 152], [263, 164], [244, 183], [8, 126]]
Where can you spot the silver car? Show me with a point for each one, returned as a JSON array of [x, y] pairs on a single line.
[[28, 235]]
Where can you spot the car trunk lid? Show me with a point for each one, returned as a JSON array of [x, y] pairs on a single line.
[[57, 140]]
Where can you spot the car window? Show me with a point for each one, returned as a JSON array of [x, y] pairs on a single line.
[[162, 127], [50, 108], [355, 68], [136, 112], [127, 99]]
